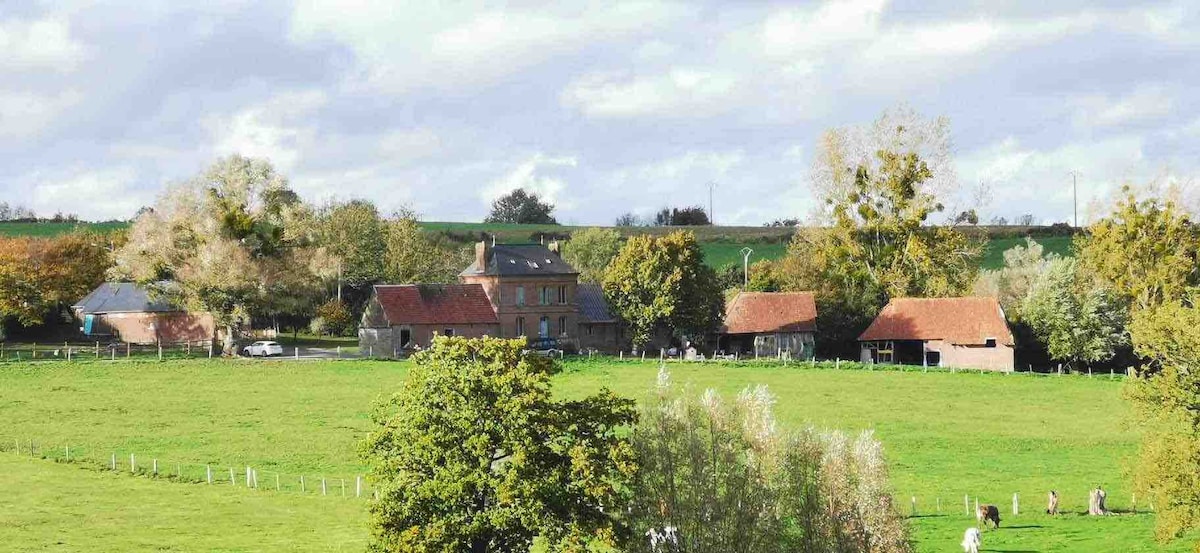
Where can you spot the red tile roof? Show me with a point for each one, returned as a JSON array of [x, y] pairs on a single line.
[[435, 304], [963, 321], [755, 312]]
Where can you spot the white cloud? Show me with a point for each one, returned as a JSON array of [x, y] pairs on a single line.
[[792, 32], [278, 129], [100, 195], [405, 46], [1144, 103], [25, 114], [680, 91], [530, 174], [39, 44]]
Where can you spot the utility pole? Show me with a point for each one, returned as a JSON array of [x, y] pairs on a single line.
[[746, 267], [711, 219]]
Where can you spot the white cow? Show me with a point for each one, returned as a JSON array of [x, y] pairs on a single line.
[[971, 538]]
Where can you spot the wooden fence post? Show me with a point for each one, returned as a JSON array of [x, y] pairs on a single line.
[[914, 505], [97, 349], [128, 350]]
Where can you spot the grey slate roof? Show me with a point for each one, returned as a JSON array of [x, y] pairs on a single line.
[[121, 297], [521, 260], [592, 305]]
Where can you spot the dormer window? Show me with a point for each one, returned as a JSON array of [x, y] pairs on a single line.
[[989, 342], [532, 264]]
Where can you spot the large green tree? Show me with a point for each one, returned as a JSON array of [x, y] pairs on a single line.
[[659, 282], [521, 206], [1011, 284], [1166, 396], [234, 241], [413, 256], [1146, 250], [475, 455], [355, 234], [1079, 320], [590, 251]]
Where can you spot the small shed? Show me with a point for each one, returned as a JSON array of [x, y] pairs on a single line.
[[949, 332], [770, 324], [404, 317], [126, 311]]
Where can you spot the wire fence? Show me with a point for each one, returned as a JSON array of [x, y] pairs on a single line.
[[123, 461], [80, 351], [848, 365], [1018, 504]]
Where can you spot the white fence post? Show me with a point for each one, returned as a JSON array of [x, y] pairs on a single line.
[[67, 448], [323, 489], [155, 469], [114, 461], [232, 477], [1015, 509], [302, 490], [208, 473], [358, 488], [967, 504]]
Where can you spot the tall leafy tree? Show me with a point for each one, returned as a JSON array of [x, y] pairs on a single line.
[[413, 256], [475, 455], [1147, 250], [878, 243], [1078, 320], [234, 241], [521, 206], [355, 234], [662, 282], [1011, 284], [590, 251], [1166, 396]]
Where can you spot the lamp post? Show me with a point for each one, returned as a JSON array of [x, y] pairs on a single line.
[[746, 267]]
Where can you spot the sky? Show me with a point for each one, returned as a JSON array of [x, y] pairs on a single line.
[[604, 108]]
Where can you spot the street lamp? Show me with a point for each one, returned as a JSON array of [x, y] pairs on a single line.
[[746, 267]]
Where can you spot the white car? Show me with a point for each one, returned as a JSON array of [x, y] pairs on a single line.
[[263, 349]]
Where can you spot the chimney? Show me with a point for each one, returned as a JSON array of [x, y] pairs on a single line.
[[482, 249], [554, 245]]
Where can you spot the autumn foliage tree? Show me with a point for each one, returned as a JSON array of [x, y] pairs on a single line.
[[234, 241], [40, 277], [590, 251], [878, 244]]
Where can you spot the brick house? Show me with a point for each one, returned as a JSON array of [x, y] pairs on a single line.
[[508, 291], [532, 290], [770, 323], [400, 317], [126, 311], [948, 332]]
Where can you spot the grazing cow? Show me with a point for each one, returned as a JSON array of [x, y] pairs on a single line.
[[971, 539], [1052, 507], [986, 513]]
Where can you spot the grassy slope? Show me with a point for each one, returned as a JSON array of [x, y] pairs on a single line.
[[53, 507], [53, 229], [945, 434], [993, 256]]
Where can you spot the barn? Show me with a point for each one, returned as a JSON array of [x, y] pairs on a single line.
[[126, 311], [403, 317], [770, 324], [946, 332]]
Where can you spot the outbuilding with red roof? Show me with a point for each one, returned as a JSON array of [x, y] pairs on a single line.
[[769, 324], [950, 332], [407, 316]]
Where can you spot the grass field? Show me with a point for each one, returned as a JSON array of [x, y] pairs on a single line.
[[8, 228], [946, 435], [720, 254], [993, 256]]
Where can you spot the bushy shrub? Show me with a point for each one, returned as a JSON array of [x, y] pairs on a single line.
[[723, 477]]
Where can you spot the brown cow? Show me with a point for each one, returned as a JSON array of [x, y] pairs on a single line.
[[986, 513]]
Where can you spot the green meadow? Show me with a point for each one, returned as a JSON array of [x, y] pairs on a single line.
[[986, 436]]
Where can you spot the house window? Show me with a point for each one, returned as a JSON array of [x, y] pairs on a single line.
[[544, 327], [544, 297], [562, 326], [521, 295], [448, 331], [520, 326], [562, 295], [589, 329], [989, 342]]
